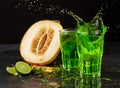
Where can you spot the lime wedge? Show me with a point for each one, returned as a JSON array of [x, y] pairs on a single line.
[[23, 67], [11, 70]]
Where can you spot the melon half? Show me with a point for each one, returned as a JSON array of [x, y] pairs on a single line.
[[40, 44]]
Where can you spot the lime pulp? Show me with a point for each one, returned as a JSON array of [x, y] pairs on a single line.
[[11, 70], [23, 67]]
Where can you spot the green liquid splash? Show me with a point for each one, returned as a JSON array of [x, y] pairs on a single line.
[[95, 27], [90, 40]]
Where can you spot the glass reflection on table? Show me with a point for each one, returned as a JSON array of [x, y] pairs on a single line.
[[73, 80]]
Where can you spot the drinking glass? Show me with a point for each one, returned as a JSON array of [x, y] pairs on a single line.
[[90, 52], [68, 47]]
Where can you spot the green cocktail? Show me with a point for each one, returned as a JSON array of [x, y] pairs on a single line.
[[90, 50], [69, 49], [90, 42]]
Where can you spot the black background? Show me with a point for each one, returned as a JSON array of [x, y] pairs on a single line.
[[16, 16]]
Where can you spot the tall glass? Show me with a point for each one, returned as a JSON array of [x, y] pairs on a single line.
[[68, 46], [90, 51]]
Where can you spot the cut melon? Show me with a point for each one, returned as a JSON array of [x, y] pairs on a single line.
[[40, 45]]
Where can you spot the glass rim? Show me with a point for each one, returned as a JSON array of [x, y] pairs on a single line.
[[85, 33], [68, 30]]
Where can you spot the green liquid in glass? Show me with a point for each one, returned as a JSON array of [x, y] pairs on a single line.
[[90, 52], [69, 50], [90, 42]]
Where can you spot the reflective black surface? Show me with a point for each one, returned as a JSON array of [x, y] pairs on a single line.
[[9, 54]]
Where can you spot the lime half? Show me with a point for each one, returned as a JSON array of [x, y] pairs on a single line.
[[11, 70], [23, 67]]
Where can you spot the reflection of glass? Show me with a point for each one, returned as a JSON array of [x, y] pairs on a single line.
[[90, 82], [77, 82], [70, 83], [69, 49], [70, 78]]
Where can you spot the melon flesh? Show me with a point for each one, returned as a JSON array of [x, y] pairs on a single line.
[[40, 45]]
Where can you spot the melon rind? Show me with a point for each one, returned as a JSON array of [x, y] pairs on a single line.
[[52, 51]]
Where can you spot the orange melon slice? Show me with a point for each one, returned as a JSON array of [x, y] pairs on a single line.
[[40, 45]]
